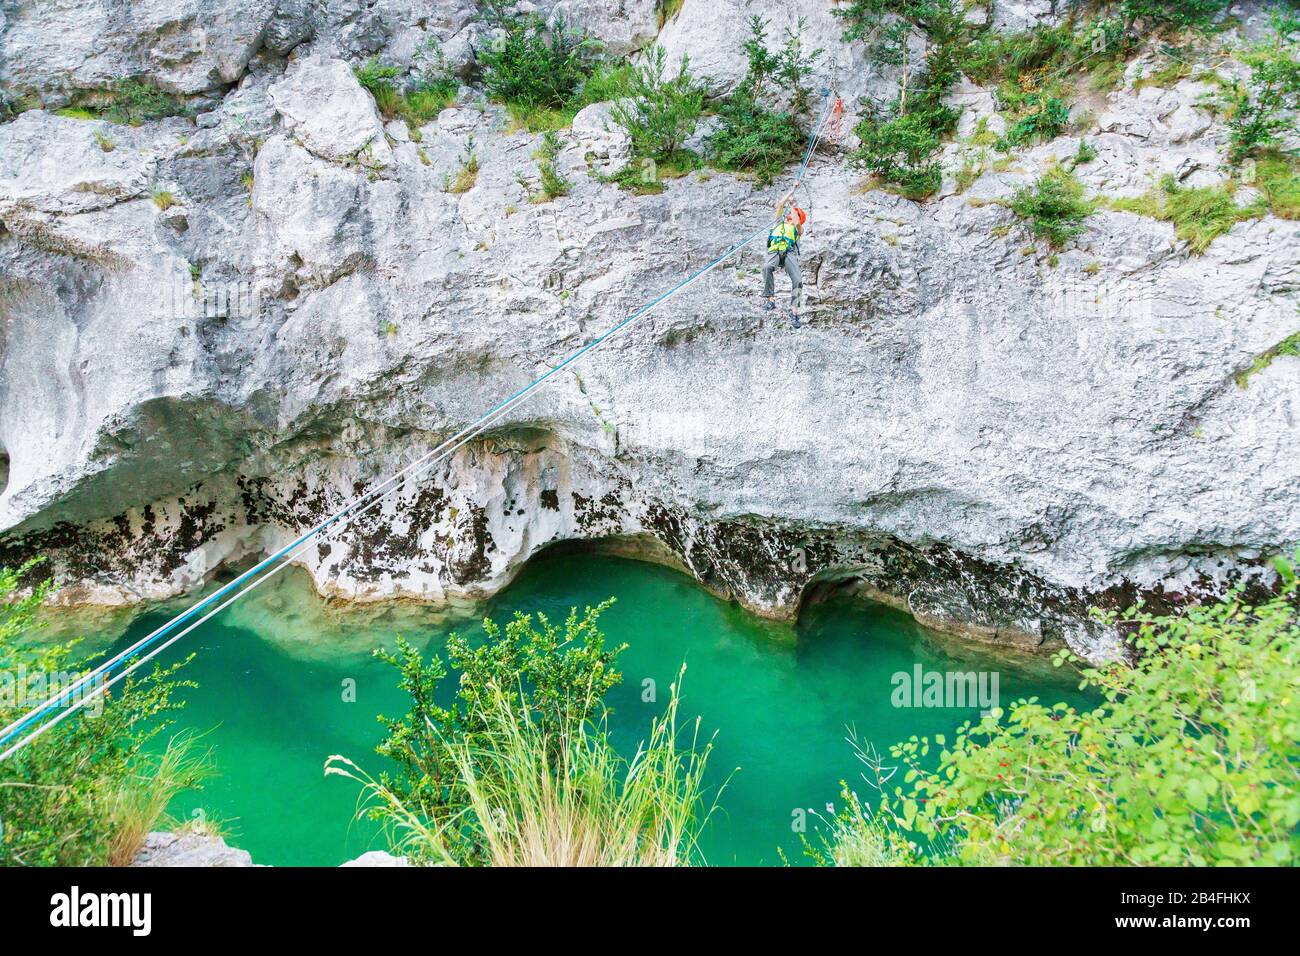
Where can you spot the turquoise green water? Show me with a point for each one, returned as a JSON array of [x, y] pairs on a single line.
[[275, 671]]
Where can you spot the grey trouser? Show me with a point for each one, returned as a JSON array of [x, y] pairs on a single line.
[[791, 269]]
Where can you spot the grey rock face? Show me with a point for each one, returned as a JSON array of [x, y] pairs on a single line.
[[52, 48], [324, 108], [991, 439], [377, 858], [189, 849]]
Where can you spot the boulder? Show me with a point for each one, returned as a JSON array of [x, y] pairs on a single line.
[[189, 849], [377, 858], [327, 110], [601, 139]]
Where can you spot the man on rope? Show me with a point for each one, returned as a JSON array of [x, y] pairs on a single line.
[[783, 253]]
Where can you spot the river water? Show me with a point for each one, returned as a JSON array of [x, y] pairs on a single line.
[[285, 680]]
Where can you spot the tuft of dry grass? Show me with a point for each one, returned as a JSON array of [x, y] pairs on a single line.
[[567, 799], [467, 175], [137, 808]]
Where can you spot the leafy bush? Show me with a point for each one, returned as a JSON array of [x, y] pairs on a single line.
[[664, 110], [128, 103], [531, 63], [993, 57], [755, 138], [421, 105], [373, 75], [1054, 206], [610, 80], [1085, 154], [519, 769], [85, 792], [899, 141], [900, 151], [432, 90], [563, 796], [434, 85], [377, 79], [755, 133], [1180, 13], [648, 177], [1042, 117], [1189, 759], [1261, 111]]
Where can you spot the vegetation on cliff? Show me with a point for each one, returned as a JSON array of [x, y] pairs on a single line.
[[88, 791]]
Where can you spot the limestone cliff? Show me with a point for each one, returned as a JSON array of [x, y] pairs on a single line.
[[989, 436]]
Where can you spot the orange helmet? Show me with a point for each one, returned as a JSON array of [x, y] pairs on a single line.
[[803, 216]]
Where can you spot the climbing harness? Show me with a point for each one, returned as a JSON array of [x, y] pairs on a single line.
[[96, 682], [782, 239]]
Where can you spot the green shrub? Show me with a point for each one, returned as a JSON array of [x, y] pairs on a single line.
[[432, 90], [531, 63], [434, 86], [755, 135], [1189, 759], [422, 104], [1054, 206], [1085, 154], [754, 138], [1041, 117], [536, 794], [899, 142], [664, 110], [1179, 13], [377, 79], [648, 176], [85, 792], [609, 80], [1261, 111], [373, 75], [993, 57], [900, 151]]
